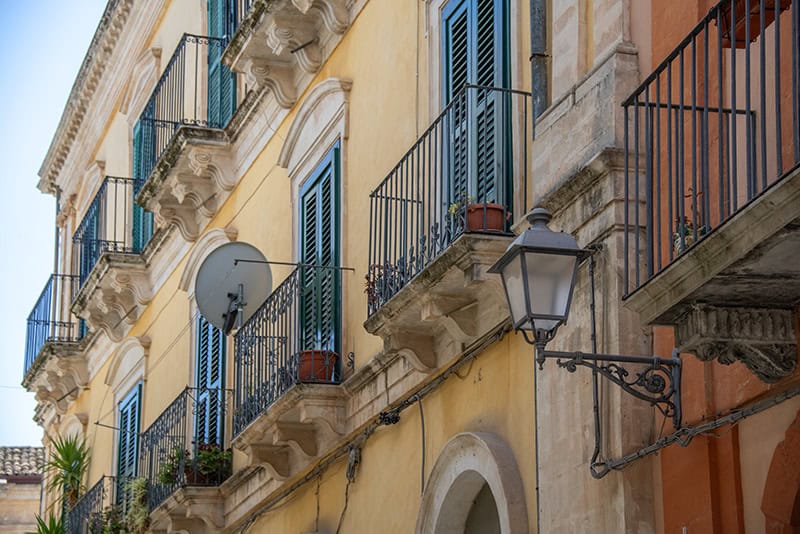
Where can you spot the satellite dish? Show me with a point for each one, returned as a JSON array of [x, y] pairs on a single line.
[[228, 291]]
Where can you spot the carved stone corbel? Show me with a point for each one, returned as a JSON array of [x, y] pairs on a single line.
[[274, 458], [763, 339], [418, 349], [301, 437], [334, 13], [277, 77]]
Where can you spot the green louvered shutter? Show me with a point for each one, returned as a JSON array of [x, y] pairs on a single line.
[[320, 293], [210, 380], [128, 449], [476, 52], [143, 148], [221, 81]]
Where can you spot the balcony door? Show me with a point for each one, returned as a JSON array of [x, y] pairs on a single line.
[[210, 383], [319, 246], [129, 410], [221, 82], [476, 51], [144, 142]]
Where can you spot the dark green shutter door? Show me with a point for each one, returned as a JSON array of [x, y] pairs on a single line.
[[221, 81], [128, 450], [319, 246], [143, 146], [209, 398], [475, 46]]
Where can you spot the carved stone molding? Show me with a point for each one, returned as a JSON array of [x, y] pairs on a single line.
[[60, 374], [114, 295], [763, 339], [191, 180], [281, 42], [451, 304], [306, 421], [190, 510]]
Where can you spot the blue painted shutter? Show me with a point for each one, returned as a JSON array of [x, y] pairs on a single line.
[[221, 81], [320, 292], [128, 449], [210, 381], [476, 52]]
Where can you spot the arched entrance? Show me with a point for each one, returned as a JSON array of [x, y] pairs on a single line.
[[475, 487]]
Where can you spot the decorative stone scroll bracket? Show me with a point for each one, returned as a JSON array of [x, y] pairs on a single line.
[[446, 307], [763, 339], [301, 425], [191, 180], [282, 42], [60, 378], [115, 294], [190, 510]]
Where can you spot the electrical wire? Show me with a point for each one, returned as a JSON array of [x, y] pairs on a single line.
[[344, 508]]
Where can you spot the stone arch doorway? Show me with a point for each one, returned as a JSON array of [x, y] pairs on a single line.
[[475, 487], [781, 501]]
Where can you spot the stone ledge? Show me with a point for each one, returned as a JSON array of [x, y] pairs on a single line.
[[195, 509], [114, 295], [764, 340], [59, 374], [434, 316], [670, 293], [190, 181]]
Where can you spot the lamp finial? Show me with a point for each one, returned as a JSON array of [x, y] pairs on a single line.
[[539, 217]]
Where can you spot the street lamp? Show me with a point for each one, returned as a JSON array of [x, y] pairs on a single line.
[[539, 270]]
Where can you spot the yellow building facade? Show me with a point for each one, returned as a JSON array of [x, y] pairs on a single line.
[[358, 165]]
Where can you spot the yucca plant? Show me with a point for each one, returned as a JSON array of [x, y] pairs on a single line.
[[53, 525], [67, 465]]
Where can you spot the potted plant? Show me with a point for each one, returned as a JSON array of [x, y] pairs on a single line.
[[213, 463], [137, 516], [683, 236], [110, 521], [68, 462], [169, 470], [479, 216], [316, 365], [738, 37]]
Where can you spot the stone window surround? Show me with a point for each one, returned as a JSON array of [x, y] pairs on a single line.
[[467, 462]]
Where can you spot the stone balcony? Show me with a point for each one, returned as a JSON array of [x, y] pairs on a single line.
[[281, 44]]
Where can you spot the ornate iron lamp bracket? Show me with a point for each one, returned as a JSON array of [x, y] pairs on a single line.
[[657, 382]]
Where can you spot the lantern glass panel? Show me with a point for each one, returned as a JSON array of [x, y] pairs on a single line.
[[515, 290], [550, 279]]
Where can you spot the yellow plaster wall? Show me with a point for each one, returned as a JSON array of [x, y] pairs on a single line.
[[385, 496]]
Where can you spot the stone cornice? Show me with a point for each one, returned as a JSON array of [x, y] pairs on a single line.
[[94, 64], [124, 29]]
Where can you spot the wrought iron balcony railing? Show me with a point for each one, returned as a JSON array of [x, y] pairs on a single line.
[[460, 176], [51, 320], [91, 513], [195, 89], [112, 223], [185, 446], [711, 129], [292, 338]]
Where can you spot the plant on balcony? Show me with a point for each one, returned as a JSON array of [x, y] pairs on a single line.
[[53, 525], [380, 281], [137, 517], [316, 365], [68, 462], [109, 521], [478, 216], [683, 236], [214, 463], [169, 471]]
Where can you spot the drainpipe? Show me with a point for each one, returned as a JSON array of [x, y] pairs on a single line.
[[539, 58], [539, 104]]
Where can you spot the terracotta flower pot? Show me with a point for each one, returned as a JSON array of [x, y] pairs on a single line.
[[316, 365], [494, 217], [739, 36]]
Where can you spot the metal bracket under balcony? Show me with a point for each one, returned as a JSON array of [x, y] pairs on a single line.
[[712, 190], [280, 43]]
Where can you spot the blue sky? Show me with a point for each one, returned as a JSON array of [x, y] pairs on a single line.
[[43, 44]]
